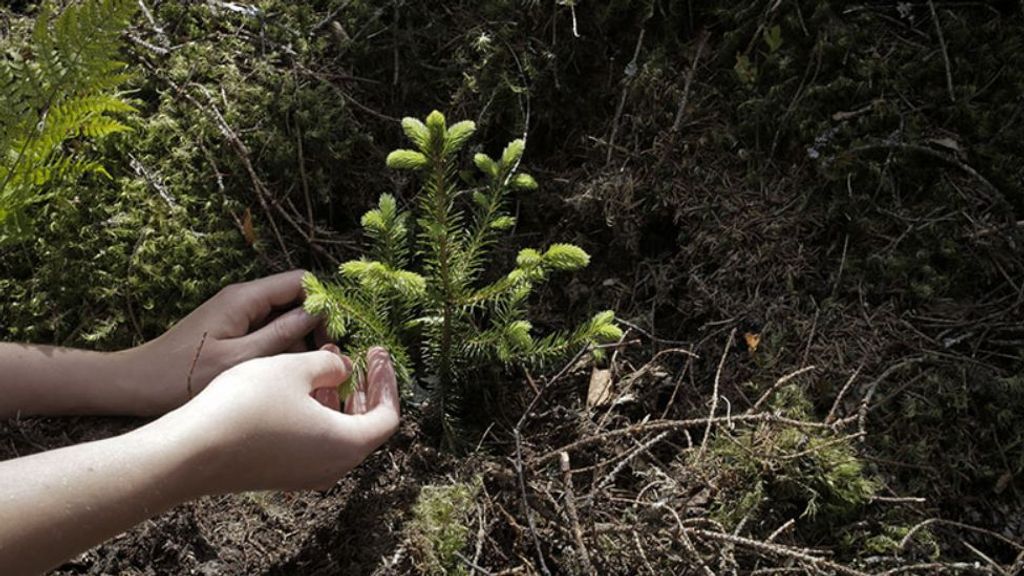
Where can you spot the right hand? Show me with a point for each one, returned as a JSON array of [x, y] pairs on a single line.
[[273, 424]]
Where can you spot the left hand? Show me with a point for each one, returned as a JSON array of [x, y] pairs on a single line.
[[248, 320]]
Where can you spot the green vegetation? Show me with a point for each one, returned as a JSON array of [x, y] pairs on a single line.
[[768, 473], [465, 325], [440, 526], [62, 89]]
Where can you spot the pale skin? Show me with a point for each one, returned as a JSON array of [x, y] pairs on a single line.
[[264, 417]]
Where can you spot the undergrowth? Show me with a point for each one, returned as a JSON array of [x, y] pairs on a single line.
[[439, 530]]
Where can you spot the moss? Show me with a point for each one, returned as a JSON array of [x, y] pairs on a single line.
[[784, 473], [440, 527]]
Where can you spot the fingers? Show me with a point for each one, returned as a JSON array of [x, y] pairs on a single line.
[[381, 385], [328, 397], [320, 369], [356, 401], [282, 334], [369, 429], [320, 336], [257, 298]]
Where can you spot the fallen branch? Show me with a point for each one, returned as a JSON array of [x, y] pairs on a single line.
[[778, 550], [998, 195], [906, 539], [663, 425]]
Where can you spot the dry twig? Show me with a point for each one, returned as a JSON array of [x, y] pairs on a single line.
[[701, 42], [945, 51], [714, 396], [778, 384], [574, 518]]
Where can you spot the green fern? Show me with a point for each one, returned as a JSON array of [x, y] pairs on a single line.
[[64, 88], [430, 303]]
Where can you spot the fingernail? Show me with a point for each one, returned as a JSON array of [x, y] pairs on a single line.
[[347, 362], [331, 348]]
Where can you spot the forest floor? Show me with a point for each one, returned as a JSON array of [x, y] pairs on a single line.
[[808, 216]]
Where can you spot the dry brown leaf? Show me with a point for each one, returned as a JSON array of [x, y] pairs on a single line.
[[247, 230], [600, 391], [753, 340]]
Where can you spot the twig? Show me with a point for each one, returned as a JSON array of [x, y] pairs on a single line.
[[810, 338], [999, 197], [192, 369], [140, 169], [681, 425], [574, 518], [702, 40], [517, 435], [842, 393], [526, 503], [945, 51], [842, 264], [481, 533], [900, 499], [778, 384], [476, 567], [684, 537], [159, 50], [714, 396], [658, 340], [862, 413], [823, 445], [243, 155], [933, 568], [575, 24], [778, 531], [610, 477], [327, 19], [305, 181], [930, 521], [630, 72], [778, 550], [643, 555]]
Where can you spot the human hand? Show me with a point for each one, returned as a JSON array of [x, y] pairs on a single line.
[[242, 321], [273, 424]]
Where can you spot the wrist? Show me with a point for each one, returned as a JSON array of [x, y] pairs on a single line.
[[186, 457], [143, 382]]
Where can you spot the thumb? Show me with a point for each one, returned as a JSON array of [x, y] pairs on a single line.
[[279, 335], [312, 371]]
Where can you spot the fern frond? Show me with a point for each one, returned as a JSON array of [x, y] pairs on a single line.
[[64, 87]]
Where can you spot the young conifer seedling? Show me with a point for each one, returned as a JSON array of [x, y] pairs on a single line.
[[420, 291]]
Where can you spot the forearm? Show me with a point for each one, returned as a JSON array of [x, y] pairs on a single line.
[[47, 380], [57, 504]]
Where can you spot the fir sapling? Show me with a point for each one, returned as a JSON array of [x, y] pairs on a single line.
[[420, 290]]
